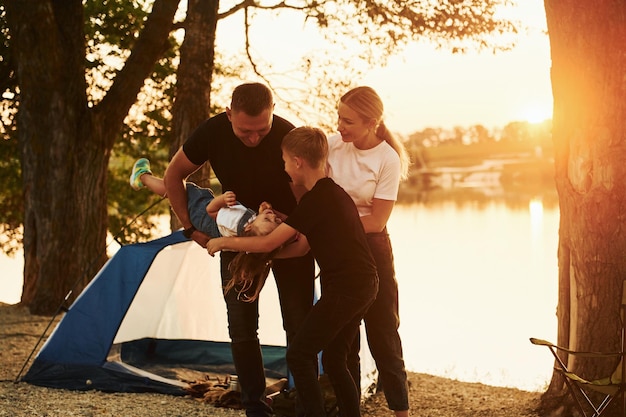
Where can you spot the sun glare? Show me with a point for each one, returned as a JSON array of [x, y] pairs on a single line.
[[445, 90], [535, 207], [536, 113]]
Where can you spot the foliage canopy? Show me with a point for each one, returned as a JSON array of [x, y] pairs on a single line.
[[376, 30]]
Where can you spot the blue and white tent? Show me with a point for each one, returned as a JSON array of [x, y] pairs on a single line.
[[154, 319]]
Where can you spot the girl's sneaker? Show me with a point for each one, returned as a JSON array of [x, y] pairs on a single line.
[[142, 166]]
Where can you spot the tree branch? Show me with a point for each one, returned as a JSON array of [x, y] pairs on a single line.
[[147, 50]]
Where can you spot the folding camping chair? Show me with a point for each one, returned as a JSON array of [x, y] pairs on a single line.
[[611, 388]]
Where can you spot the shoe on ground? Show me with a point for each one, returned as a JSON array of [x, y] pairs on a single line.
[[142, 166]]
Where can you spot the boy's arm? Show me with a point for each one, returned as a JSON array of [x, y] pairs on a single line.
[[295, 249], [256, 244], [219, 202]]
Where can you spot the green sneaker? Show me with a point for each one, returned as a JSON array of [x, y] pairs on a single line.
[[142, 166]]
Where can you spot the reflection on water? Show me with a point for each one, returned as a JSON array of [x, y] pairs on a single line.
[[478, 276], [480, 197], [475, 284], [495, 181]]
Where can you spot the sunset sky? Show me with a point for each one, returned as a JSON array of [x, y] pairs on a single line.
[[426, 87], [430, 88]]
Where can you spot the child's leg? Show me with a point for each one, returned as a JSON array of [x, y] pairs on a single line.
[[141, 176], [154, 184]]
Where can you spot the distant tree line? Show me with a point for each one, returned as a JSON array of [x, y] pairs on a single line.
[[534, 133], [515, 136]]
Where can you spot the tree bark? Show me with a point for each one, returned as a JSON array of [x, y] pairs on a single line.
[[193, 80], [65, 144], [588, 50]]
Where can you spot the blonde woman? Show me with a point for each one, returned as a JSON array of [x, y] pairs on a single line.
[[367, 161]]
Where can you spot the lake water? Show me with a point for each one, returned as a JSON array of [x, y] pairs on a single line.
[[476, 279], [475, 284]]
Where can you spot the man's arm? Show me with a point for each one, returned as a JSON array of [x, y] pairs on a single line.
[[179, 168]]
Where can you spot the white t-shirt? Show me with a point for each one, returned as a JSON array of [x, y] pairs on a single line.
[[232, 220], [364, 174]]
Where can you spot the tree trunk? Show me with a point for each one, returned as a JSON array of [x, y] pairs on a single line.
[[193, 79], [65, 144], [588, 49]]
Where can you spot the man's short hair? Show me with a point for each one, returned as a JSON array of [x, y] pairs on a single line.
[[308, 143], [251, 98]]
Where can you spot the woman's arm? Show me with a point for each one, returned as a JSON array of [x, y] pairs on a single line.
[[257, 244], [381, 210]]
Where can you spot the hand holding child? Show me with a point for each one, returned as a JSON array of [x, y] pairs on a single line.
[[264, 206], [213, 245]]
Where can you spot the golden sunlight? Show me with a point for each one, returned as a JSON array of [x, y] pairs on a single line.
[[535, 207], [537, 112], [424, 86]]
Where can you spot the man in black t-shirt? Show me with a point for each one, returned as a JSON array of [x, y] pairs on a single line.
[[243, 146], [327, 221]]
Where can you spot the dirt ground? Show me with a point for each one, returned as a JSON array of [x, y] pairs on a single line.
[[430, 396]]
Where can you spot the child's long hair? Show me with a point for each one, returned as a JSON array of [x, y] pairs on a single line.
[[248, 272]]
